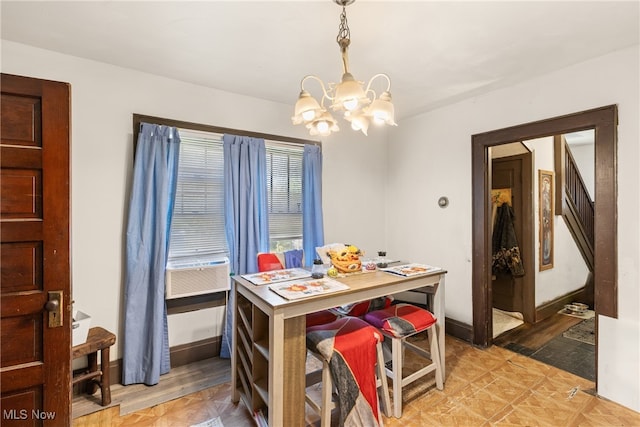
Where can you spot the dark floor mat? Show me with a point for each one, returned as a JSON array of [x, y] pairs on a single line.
[[519, 348], [570, 355]]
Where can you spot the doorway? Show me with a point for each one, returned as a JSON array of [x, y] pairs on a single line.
[[604, 121], [512, 175]]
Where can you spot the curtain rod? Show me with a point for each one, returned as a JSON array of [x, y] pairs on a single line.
[[219, 135], [138, 118]]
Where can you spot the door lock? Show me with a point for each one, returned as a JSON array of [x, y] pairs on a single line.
[[54, 307]]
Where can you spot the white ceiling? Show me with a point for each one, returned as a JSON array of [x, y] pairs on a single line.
[[583, 137], [434, 52]]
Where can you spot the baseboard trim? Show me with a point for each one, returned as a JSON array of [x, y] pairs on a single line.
[[549, 309], [195, 351], [458, 329], [180, 355]]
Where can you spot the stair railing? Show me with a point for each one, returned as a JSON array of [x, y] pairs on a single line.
[[573, 200]]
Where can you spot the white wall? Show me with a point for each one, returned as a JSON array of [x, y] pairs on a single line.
[[430, 155], [569, 272], [354, 189], [104, 97]]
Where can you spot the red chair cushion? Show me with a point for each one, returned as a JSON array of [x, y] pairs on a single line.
[[349, 346], [401, 320], [351, 329], [320, 318], [359, 309], [269, 262]]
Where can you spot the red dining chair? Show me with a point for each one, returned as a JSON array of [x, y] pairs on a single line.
[[269, 261]]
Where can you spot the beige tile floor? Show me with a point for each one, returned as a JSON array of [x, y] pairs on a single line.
[[484, 387]]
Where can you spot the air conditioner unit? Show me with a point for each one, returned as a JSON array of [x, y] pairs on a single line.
[[188, 279]]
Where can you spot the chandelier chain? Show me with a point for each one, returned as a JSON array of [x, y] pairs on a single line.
[[344, 35]]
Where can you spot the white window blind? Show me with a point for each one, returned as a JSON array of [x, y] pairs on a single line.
[[284, 188], [197, 228]]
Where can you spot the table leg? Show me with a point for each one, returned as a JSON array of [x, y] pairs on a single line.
[[235, 393], [105, 382], [287, 359], [276, 370], [295, 351], [439, 311]]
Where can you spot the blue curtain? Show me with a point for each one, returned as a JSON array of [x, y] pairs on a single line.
[[312, 226], [245, 207], [146, 344]]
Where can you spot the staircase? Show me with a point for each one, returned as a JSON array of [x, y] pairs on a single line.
[[574, 202]]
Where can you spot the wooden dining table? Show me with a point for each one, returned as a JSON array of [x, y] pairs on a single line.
[[269, 336]]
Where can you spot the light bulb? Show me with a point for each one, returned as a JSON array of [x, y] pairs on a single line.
[[382, 111], [380, 117], [308, 115], [350, 104], [322, 126], [360, 122]]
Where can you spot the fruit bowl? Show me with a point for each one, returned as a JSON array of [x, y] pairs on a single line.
[[347, 260], [347, 266]]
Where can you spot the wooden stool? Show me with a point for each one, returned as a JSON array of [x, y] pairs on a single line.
[[317, 342], [98, 339], [398, 323]]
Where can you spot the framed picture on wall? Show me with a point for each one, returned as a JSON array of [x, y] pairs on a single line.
[[546, 216]]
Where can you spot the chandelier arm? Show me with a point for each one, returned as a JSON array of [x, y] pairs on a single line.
[[376, 76], [325, 94], [371, 94]]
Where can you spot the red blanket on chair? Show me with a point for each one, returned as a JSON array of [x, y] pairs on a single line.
[[349, 344]]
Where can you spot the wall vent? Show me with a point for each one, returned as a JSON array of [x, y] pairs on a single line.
[[188, 279]]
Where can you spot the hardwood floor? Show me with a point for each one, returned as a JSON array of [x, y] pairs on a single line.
[[534, 336], [179, 382], [484, 387], [545, 341]]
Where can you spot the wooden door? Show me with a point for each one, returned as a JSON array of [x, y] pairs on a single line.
[[516, 293], [35, 362]]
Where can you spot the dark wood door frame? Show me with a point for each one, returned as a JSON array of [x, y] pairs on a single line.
[[604, 120]]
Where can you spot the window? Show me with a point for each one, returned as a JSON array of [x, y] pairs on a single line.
[[284, 192], [197, 227]]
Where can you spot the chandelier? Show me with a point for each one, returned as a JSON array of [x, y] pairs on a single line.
[[359, 105]]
